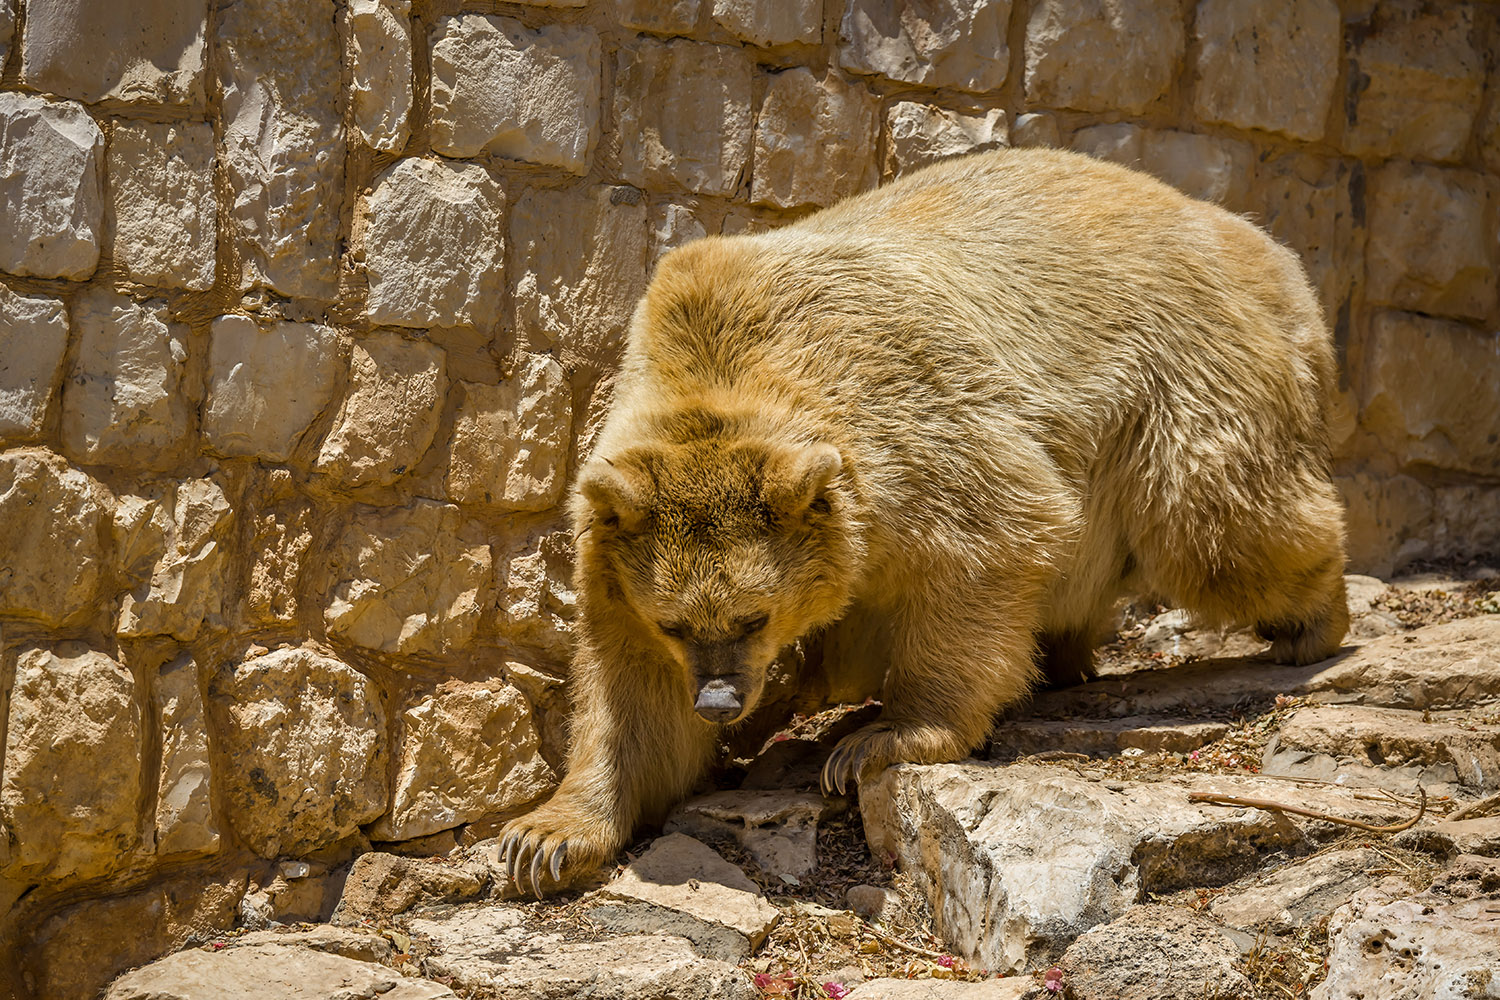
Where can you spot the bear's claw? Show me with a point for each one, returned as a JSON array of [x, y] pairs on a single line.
[[846, 764], [524, 855]]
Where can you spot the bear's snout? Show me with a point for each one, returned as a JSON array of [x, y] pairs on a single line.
[[719, 701]]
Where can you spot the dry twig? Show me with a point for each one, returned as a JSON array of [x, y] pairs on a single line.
[[1213, 798], [898, 943], [1475, 809]]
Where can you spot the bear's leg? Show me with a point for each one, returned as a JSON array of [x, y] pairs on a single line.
[[1315, 635], [637, 748], [956, 659], [1066, 656]]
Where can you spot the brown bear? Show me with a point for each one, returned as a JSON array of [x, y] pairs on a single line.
[[978, 406]]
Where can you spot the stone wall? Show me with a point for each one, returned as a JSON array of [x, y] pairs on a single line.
[[308, 308]]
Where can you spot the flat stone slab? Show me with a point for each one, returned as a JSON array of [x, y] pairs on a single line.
[[1450, 838], [382, 885], [683, 887], [1299, 894], [1154, 953], [489, 950], [1018, 860], [1388, 943], [1104, 737], [1009, 988], [779, 829], [269, 972], [1387, 748]]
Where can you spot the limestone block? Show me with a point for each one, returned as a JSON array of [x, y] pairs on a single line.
[[1009, 988], [51, 187], [673, 224], [163, 217], [281, 531], [1466, 520], [1307, 206], [283, 140], [267, 383], [433, 245], [385, 424], [1416, 81], [51, 555], [409, 580], [918, 134], [534, 579], [1388, 521], [779, 829], [946, 43], [1269, 66], [1153, 952], [70, 793], [682, 886], [33, 336], [306, 735], [1300, 894], [1103, 737], [171, 545], [1037, 128], [7, 27], [1204, 166], [814, 140], [1429, 246], [124, 403], [581, 262], [525, 94], [683, 113], [510, 441], [664, 17], [468, 751], [377, 39], [771, 22], [77, 951], [1489, 136], [1118, 143], [381, 886], [1102, 56], [1442, 411], [270, 972], [92, 50], [185, 823]]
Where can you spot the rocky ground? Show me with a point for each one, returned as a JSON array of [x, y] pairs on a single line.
[[1196, 823]]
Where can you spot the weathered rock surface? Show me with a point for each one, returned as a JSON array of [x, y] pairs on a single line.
[[490, 949], [1209, 167], [675, 223], [280, 531], [468, 751], [51, 187], [950, 43], [814, 140], [269, 972], [123, 402], [70, 791], [1449, 838], [1036, 128], [1390, 944], [307, 733], [434, 248], [51, 556], [664, 17], [1272, 68], [409, 580], [1417, 81], [1299, 894], [93, 50], [1018, 861], [7, 27], [358, 943], [771, 22], [380, 886], [779, 829], [74, 954], [534, 578], [185, 823], [525, 94], [510, 441], [1019, 988], [581, 259], [683, 112], [681, 887], [1309, 207], [267, 383], [377, 36], [1428, 249], [388, 420], [1121, 142], [918, 133], [1387, 748], [1101, 56], [1154, 953], [33, 337], [1103, 737], [164, 220], [171, 547]]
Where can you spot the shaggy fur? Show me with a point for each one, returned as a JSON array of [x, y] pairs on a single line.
[[980, 404]]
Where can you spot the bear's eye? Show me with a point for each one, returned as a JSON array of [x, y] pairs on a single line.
[[673, 630], [754, 625]]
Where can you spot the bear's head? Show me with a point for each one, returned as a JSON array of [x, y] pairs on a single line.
[[723, 553]]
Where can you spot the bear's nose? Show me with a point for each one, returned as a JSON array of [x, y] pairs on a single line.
[[718, 701]]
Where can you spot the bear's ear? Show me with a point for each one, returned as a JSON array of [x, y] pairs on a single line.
[[617, 501], [803, 479]]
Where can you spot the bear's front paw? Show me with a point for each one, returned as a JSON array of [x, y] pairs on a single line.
[[551, 841], [867, 750]]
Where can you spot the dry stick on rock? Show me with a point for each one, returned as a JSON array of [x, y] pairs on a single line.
[[897, 943], [1475, 809], [1213, 798]]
